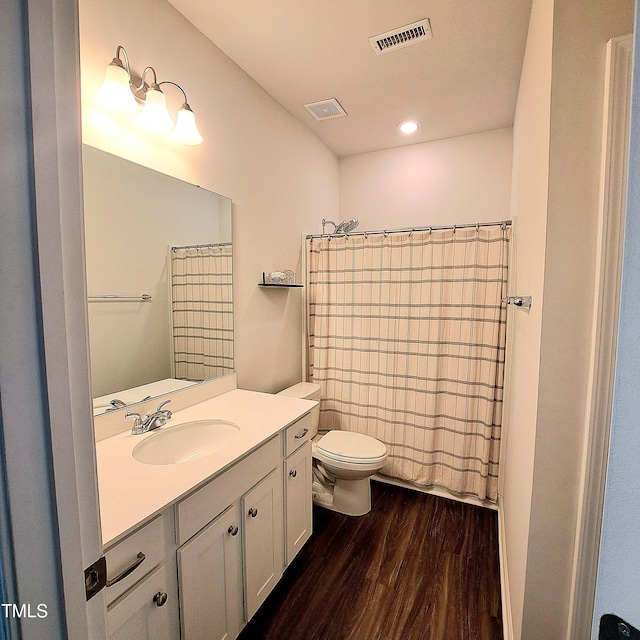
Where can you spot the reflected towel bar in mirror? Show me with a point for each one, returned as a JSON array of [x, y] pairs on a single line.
[[145, 297]]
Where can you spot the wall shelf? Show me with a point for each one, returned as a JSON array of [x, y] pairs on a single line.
[[279, 285]]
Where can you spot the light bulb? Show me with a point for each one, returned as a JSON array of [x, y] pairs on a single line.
[[186, 130], [154, 114], [115, 91], [410, 126]]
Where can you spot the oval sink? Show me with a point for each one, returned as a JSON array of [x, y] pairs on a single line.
[[184, 442]]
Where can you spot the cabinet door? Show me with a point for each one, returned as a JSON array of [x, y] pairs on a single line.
[[263, 540], [208, 570], [139, 614], [298, 500]]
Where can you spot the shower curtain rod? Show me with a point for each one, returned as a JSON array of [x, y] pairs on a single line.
[[477, 225], [203, 246]]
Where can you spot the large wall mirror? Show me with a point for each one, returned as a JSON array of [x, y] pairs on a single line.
[[159, 280]]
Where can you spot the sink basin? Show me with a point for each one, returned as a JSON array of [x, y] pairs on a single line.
[[187, 441]]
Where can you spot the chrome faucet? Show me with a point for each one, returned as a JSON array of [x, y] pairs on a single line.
[[151, 421], [116, 403]]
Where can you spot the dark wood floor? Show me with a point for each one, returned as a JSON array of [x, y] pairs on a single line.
[[417, 567]]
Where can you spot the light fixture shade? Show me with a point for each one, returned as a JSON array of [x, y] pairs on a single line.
[[115, 92], [186, 130], [154, 114]]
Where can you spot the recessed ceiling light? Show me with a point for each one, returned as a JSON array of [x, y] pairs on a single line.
[[409, 126]]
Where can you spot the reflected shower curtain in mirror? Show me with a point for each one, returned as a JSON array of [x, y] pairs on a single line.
[[202, 311], [407, 341]]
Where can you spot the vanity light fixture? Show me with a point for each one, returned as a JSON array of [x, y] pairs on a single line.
[[409, 126], [186, 130], [122, 90], [115, 92], [154, 114]]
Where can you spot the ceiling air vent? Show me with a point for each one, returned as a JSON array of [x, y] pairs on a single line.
[[402, 37], [326, 109]]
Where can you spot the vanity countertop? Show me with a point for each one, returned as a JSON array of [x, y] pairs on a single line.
[[132, 492]]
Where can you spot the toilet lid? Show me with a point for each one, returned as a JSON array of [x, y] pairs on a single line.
[[351, 447]]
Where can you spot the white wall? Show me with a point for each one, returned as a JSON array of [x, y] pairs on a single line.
[[581, 31], [529, 207], [282, 179], [619, 564], [454, 181], [560, 324]]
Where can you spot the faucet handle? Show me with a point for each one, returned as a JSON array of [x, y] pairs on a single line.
[[162, 404], [137, 421], [165, 412]]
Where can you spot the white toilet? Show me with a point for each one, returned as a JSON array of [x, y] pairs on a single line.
[[343, 461]]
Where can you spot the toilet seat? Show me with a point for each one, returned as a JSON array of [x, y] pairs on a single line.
[[350, 448]]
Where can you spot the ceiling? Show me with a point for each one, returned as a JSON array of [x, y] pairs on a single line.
[[463, 80]]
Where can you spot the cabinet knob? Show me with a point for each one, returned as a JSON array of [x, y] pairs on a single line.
[[233, 530], [160, 598], [293, 473], [253, 512]]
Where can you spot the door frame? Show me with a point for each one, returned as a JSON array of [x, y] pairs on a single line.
[[50, 516], [611, 216]]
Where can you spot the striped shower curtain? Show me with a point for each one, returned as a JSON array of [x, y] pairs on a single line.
[[407, 341], [202, 311]]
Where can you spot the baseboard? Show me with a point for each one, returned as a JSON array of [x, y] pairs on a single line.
[[434, 491], [507, 620]]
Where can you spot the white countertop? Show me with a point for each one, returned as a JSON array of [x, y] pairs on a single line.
[[131, 492]]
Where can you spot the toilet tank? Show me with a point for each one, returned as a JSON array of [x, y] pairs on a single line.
[[306, 391]]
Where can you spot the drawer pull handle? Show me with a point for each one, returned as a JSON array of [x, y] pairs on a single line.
[[293, 473], [253, 512], [233, 530], [138, 561], [302, 434], [160, 598]]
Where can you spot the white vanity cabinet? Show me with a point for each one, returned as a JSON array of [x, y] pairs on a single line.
[[208, 572], [298, 501], [212, 556], [142, 614], [237, 558], [297, 486], [263, 540], [142, 599]]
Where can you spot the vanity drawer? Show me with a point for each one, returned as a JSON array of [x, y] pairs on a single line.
[[297, 434], [201, 507], [137, 615], [148, 540]]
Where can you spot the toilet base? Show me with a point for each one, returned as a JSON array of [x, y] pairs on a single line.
[[349, 497]]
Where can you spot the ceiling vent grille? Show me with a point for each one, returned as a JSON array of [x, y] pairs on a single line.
[[326, 109], [402, 37]]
